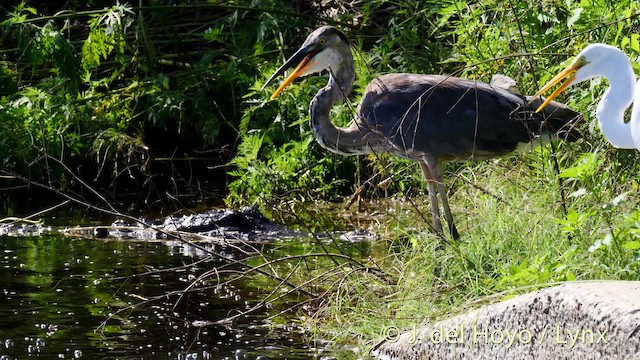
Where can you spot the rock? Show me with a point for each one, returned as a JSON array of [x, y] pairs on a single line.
[[580, 320]]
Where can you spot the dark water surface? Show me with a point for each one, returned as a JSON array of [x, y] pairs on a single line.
[[56, 295]]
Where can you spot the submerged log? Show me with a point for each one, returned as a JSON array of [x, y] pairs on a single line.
[[223, 226]]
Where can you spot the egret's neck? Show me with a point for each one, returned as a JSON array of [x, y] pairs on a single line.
[[615, 101], [635, 117]]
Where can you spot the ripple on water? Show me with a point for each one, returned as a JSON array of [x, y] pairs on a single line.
[[55, 307]]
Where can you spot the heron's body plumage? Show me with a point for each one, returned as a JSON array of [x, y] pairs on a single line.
[[426, 118], [456, 119]]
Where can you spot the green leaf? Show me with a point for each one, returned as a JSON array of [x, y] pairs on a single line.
[[570, 173], [632, 245], [635, 44], [587, 166], [624, 42], [214, 34]]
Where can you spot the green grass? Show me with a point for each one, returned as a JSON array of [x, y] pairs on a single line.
[[97, 105], [510, 245], [524, 223]]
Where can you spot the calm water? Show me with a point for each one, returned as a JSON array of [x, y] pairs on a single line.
[[56, 294]]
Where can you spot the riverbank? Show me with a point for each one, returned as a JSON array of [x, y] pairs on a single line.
[[514, 239]]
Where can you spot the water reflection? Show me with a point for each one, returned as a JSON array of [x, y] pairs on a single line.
[[74, 298]]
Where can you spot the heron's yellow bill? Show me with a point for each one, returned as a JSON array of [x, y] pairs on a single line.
[[569, 71], [299, 70]]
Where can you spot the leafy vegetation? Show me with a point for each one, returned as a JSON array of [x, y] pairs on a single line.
[[113, 92], [109, 93], [557, 214]]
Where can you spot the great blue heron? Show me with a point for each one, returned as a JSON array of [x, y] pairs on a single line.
[[426, 118], [601, 60]]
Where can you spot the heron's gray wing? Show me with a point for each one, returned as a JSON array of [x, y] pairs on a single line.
[[445, 117], [448, 117], [504, 82]]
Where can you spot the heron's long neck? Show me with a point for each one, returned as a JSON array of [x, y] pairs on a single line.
[[345, 141], [615, 101]]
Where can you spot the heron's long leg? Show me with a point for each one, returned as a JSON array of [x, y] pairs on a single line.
[[436, 174], [433, 199]]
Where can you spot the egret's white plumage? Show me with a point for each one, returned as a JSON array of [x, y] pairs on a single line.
[[602, 60]]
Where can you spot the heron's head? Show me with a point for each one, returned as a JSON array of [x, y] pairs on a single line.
[[322, 50], [586, 65]]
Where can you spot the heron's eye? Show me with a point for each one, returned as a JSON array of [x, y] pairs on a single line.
[[322, 41]]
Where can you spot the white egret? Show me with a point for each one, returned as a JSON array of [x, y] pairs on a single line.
[[602, 60]]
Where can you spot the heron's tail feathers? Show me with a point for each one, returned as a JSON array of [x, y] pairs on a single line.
[[558, 120]]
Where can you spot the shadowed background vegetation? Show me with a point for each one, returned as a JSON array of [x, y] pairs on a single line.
[[162, 99]]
